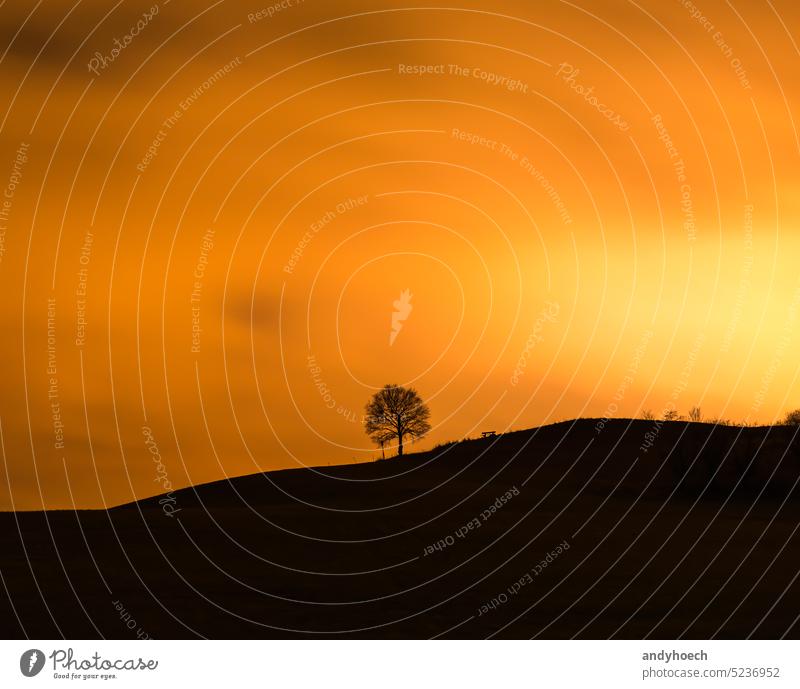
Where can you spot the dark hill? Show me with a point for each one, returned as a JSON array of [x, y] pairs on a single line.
[[660, 529]]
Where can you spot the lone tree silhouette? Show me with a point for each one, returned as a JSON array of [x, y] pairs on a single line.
[[396, 412]]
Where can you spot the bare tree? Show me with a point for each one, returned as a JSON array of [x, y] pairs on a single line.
[[396, 412], [695, 414], [648, 415], [671, 415]]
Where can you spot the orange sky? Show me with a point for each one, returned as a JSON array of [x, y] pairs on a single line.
[[594, 206]]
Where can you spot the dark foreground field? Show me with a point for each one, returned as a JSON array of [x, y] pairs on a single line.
[[695, 538]]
